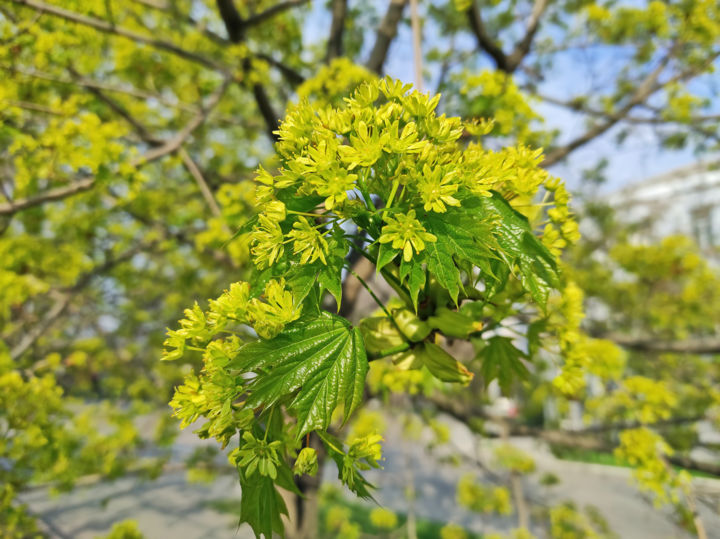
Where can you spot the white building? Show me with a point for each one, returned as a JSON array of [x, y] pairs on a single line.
[[683, 201]]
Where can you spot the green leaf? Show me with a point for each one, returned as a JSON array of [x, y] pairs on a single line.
[[318, 363], [501, 360], [415, 274], [441, 266], [357, 483], [538, 267], [301, 280], [261, 505], [330, 277], [385, 255], [468, 236], [246, 227], [534, 332]]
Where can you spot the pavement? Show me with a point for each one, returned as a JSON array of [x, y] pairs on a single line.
[[170, 507]]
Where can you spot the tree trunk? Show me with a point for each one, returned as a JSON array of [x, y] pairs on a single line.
[[302, 519]]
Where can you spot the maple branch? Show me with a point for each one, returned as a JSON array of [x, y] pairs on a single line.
[[522, 47], [646, 88], [57, 193], [272, 11], [84, 82], [485, 41], [385, 34], [236, 26], [706, 345], [174, 144], [200, 180]]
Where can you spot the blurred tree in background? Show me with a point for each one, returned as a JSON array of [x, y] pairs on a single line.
[[130, 133]]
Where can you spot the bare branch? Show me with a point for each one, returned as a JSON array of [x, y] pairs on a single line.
[[272, 11], [236, 26], [58, 193], [337, 29], [200, 180], [109, 28], [266, 110], [292, 76], [234, 23], [485, 41], [707, 345], [522, 47], [646, 88], [120, 111], [174, 144], [385, 35]]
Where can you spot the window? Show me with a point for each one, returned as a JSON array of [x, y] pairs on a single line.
[[702, 227]]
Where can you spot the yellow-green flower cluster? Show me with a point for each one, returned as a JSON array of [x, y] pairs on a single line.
[[385, 147], [646, 451], [212, 393]]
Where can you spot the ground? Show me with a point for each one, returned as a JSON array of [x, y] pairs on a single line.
[[171, 507]]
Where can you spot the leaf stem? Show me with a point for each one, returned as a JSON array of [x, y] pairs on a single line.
[[267, 424]]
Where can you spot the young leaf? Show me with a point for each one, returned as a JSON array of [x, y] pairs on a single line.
[[415, 274], [261, 506], [330, 277], [501, 360], [538, 267], [301, 279], [441, 265], [385, 256], [319, 362]]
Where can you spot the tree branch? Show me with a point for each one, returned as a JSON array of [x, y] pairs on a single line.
[[57, 193], [337, 29], [89, 83], [646, 88], [385, 34], [200, 180], [485, 42], [707, 345], [174, 144], [272, 11], [236, 26], [522, 47]]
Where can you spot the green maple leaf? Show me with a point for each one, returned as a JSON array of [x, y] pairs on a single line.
[[315, 365], [440, 264], [463, 236], [501, 360], [261, 505], [538, 268]]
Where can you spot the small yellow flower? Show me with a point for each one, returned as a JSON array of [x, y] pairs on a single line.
[[436, 190], [267, 240], [309, 242], [406, 233]]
